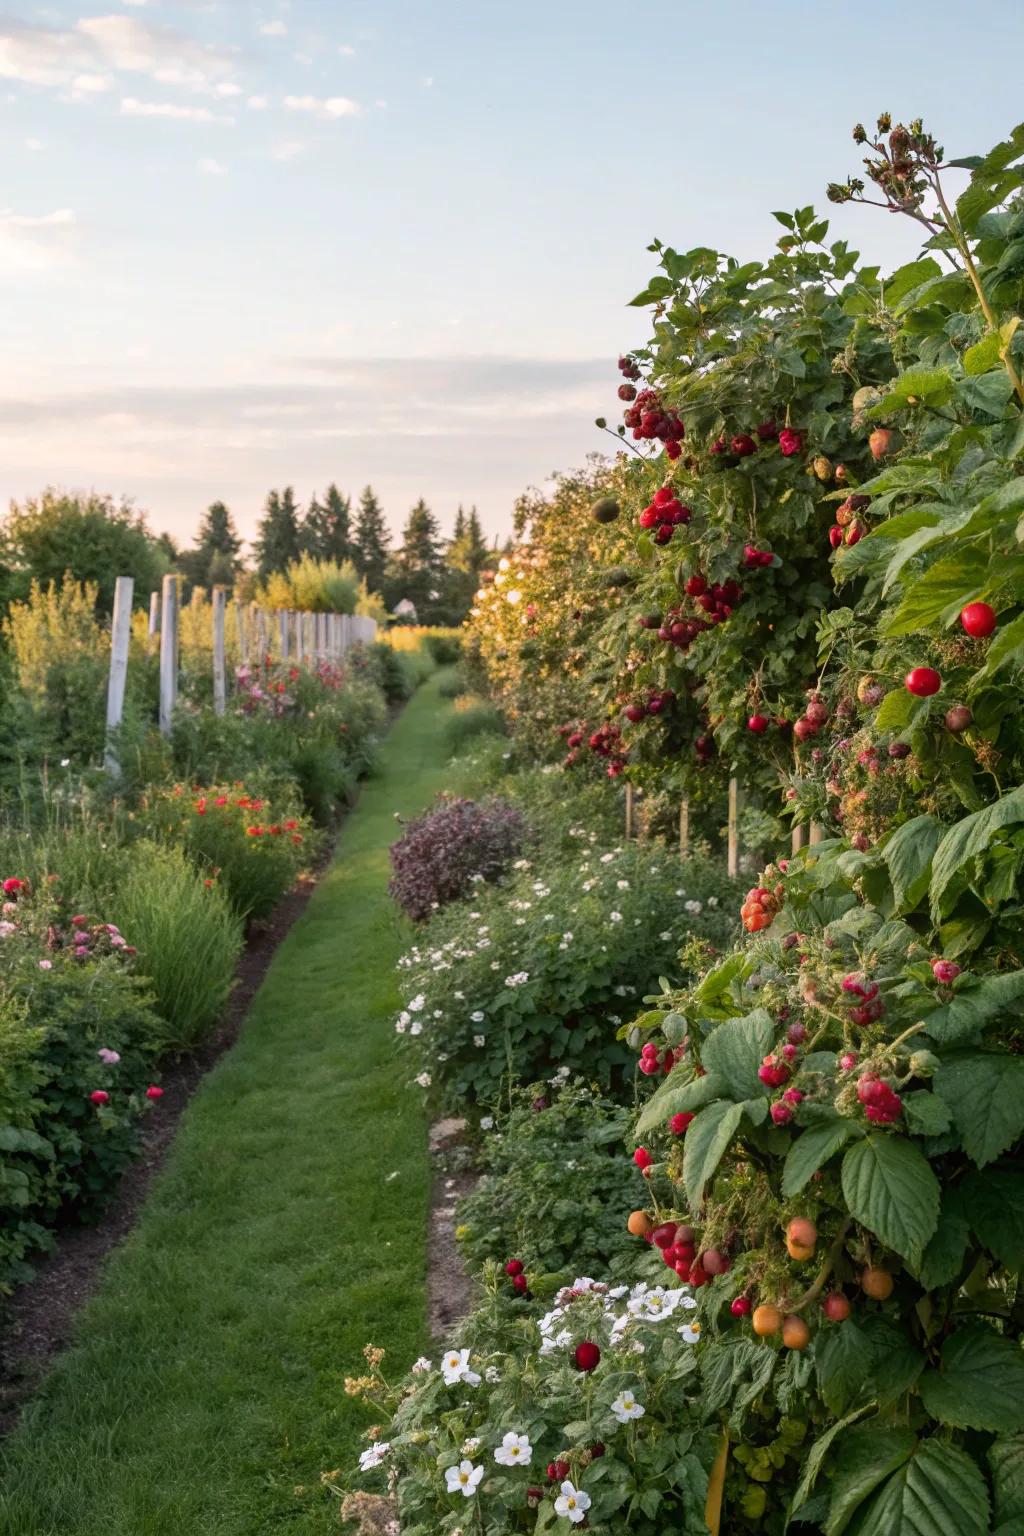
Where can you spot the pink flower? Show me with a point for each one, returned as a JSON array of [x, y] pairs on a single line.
[[154, 1092], [46, 965], [110, 1058], [98, 1097]]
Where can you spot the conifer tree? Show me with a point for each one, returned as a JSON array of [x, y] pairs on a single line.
[[371, 541]]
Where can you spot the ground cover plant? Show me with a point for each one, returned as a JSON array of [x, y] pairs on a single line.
[[450, 847]]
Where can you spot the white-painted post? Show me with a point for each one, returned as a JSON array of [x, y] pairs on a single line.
[[154, 621], [120, 642], [733, 854], [300, 639], [817, 834], [261, 638], [241, 621], [283, 617], [684, 829], [168, 653], [220, 681], [335, 636], [798, 838], [345, 636]]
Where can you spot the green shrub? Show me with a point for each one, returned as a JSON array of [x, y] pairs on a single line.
[[558, 1184], [188, 937], [451, 684], [471, 718], [540, 972], [444, 646]]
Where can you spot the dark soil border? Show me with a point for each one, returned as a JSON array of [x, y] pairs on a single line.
[[37, 1321]]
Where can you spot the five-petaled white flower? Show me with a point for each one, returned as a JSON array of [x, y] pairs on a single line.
[[421, 1365], [626, 1407], [572, 1504], [690, 1332], [455, 1367], [424, 1079], [464, 1478], [477, 1017], [514, 1450], [374, 1456]]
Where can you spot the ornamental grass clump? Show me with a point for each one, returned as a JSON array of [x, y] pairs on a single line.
[[451, 847]]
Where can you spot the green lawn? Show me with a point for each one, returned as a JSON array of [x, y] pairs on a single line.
[[204, 1392]]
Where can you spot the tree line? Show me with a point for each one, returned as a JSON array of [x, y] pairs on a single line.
[[96, 539]]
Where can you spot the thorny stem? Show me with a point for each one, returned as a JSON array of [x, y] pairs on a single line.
[[625, 443], [972, 272]]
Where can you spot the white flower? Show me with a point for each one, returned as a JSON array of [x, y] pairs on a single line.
[[471, 1445], [418, 1004], [421, 1365], [493, 1375], [622, 885], [487, 1122], [374, 1456], [477, 1017], [455, 1368], [712, 901], [438, 1013], [464, 1478], [690, 1332], [693, 907], [479, 1041], [572, 1504], [518, 980], [615, 917], [514, 1450], [654, 1304], [416, 1028], [400, 1028], [665, 936], [626, 1407], [424, 1079], [606, 858]]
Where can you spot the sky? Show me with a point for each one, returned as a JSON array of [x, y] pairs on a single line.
[[295, 241]]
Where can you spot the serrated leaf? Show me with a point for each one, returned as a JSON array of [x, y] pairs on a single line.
[[1006, 648], [810, 1151], [842, 1360], [905, 279], [969, 836], [940, 1491], [706, 1142], [675, 1098], [816, 1457], [944, 1255], [941, 591], [984, 355], [908, 858], [994, 1203], [975, 1005], [866, 1457], [899, 711], [890, 1188], [1006, 1464], [979, 1383], [897, 1363], [926, 1113], [929, 386], [985, 1093], [735, 1049]]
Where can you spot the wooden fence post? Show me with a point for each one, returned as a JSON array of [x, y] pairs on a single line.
[[154, 621], [798, 838], [629, 813], [817, 834], [168, 653], [684, 829], [220, 681], [733, 855], [120, 642], [261, 637], [282, 631], [241, 621]]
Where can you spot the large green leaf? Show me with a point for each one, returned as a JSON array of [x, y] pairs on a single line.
[[866, 1456], [843, 1357], [811, 1150], [979, 1383], [942, 591], [1006, 648], [932, 386], [1006, 1463], [899, 711], [969, 836], [706, 1141], [994, 1203], [985, 1093], [672, 1098], [898, 1362], [735, 1049], [890, 1188], [817, 1455], [944, 1256], [908, 858], [974, 1005], [939, 1491]]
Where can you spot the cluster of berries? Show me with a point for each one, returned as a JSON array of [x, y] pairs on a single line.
[[849, 527], [628, 368], [717, 601], [650, 419], [882, 1104], [814, 717], [665, 514], [742, 445], [754, 558], [653, 1060], [656, 704], [515, 1271], [678, 1250], [870, 1008], [761, 907]]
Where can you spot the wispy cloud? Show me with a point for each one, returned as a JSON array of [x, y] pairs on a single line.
[[132, 107], [327, 107], [32, 242], [258, 103], [347, 51], [207, 166], [273, 29], [98, 46], [289, 149]]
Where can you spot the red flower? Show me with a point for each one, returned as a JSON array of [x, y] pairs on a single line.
[[200, 807], [290, 826], [221, 800], [99, 1097], [254, 831], [154, 1092], [296, 839], [790, 442], [274, 831], [12, 887]]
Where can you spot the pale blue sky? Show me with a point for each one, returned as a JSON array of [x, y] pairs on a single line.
[[249, 244]]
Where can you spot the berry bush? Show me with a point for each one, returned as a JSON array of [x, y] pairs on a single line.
[[449, 848]]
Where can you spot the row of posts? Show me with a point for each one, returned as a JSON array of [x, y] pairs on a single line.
[[801, 835], [304, 638]]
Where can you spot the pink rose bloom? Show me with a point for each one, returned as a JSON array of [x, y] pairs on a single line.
[[108, 1057], [46, 965]]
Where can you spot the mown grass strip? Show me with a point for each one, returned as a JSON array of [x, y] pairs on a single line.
[[204, 1391]]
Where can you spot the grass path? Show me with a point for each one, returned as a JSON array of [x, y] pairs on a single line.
[[203, 1395]]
